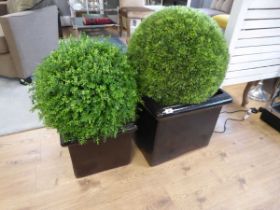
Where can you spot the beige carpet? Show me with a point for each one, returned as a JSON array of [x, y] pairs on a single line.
[[15, 108]]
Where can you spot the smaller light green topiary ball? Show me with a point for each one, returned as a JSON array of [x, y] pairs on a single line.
[[86, 90], [181, 56]]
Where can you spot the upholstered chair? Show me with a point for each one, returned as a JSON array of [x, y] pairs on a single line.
[[25, 39]]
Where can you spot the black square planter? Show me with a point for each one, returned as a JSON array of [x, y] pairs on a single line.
[[167, 132], [92, 158], [272, 116]]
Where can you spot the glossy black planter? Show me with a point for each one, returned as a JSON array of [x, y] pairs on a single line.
[[92, 158], [272, 116], [167, 132]]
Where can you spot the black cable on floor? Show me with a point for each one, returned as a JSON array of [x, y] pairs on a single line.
[[231, 112], [225, 124], [247, 111]]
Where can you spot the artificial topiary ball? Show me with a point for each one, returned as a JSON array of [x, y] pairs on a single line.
[[86, 90], [180, 55]]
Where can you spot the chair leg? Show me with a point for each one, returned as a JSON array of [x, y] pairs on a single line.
[[26, 81], [246, 91]]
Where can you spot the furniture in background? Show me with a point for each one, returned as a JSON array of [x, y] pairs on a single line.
[[133, 12], [218, 7], [253, 36], [260, 90], [132, 17], [25, 39], [79, 7], [168, 2], [97, 7], [124, 23]]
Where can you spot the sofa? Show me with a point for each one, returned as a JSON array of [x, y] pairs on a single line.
[[218, 7], [25, 39]]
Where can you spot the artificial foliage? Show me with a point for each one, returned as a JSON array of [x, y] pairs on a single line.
[[86, 90], [180, 55]]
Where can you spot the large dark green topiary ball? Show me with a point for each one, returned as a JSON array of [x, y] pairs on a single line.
[[180, 55], [86, 90]]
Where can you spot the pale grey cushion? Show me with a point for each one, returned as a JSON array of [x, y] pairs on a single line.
[[222, 5], [32, 35], [210, 12], [3, 42]]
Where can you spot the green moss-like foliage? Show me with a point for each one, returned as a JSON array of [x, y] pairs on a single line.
[[86, 90], [180, 55]]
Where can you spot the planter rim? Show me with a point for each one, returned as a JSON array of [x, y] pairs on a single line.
[[128, 128], [158, 111]]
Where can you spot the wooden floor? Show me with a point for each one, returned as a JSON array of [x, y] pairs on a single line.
[[239, 170]]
